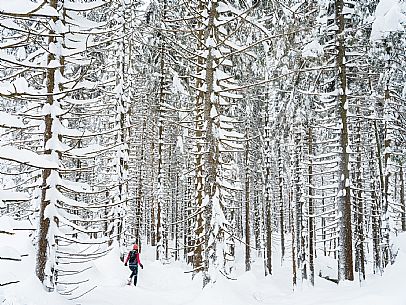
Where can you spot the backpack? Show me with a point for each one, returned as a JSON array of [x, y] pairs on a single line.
[[133, 256]]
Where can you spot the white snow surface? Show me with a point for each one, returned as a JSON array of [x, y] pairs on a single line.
[[27, 6], [168, 284], [390, 16], [13, 196], [8, 120], [26, 156], [312, 49], [7, 252]]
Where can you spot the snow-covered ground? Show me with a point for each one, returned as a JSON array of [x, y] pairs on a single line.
[[168, 284]]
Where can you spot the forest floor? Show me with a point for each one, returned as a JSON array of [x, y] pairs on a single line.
[[171, 284]]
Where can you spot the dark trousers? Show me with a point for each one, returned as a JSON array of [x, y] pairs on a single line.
[[134, 273]]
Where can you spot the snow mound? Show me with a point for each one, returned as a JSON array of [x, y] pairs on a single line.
[[172, 284], [389, 17]]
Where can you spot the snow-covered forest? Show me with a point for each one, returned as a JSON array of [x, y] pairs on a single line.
[[226, 138]]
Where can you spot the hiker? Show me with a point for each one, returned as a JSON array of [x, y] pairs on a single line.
[[133, 259]]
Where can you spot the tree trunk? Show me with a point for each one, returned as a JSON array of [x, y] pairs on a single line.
[[199, 174], [281, 205], [359, 216], [345, 271], [268, 234], [45, 236], [402, 198], [300, 240], [293, 244], [247, 207], [311, 206]]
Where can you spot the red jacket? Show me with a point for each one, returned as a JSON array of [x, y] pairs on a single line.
[[137, 258]]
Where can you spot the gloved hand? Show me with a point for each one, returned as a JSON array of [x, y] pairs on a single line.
[[125, 264], [142, 267]]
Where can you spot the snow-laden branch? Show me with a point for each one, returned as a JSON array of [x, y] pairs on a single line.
[[25, 156]]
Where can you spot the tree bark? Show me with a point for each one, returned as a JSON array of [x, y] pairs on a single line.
[[311, 206], [199, 174], [346, 271], [402, 198], [44, 240], [247, 207]]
